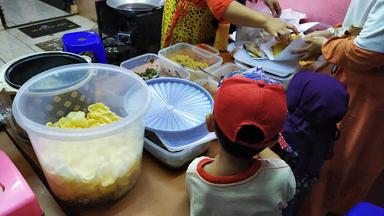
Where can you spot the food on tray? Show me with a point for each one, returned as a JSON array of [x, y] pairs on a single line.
[[188, 62], [254, 50], [98, 114], [281, 45]]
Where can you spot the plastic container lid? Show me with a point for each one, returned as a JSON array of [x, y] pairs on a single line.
[[34, 106], [177, 112]]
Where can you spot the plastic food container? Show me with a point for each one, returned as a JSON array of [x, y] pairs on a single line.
[[141, 64], [90, 165], [208, 48], [211, 83], [16, 197], [177, 112], [173, 159], [193, 53]]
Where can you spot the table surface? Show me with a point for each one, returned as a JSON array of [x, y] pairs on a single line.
[[160, 190]]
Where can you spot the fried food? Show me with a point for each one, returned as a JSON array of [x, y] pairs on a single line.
[[254, 50], [98, 114]]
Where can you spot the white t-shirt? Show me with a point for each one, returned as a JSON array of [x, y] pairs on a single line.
[[264, 189], [368, 15]]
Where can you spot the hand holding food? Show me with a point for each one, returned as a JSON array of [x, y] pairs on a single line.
[[312, 50], [281, 45], [279, 29]]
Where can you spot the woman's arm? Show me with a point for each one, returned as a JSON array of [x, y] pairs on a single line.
[[344, 53], [238, 14]]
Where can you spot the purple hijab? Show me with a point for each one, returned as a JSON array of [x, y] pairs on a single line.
[[316, 102]]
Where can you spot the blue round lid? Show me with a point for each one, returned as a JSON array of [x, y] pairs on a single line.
[[177, 105]]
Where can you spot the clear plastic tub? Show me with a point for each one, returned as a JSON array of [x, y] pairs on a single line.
[[210, 84], [208, 48], [224, 70], [87, 165], [197, 55], [173, 159], [142, 63]]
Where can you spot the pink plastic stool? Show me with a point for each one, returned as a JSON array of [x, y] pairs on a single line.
[[16, 197]]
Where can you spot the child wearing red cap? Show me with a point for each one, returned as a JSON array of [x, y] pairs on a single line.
[[247, 118]]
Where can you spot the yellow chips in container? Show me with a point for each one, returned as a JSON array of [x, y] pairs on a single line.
[[98, 114]]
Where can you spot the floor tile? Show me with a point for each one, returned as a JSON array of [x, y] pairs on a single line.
[[25, 11], [35, 48], [9, 42], [8, 56], [1, 63]]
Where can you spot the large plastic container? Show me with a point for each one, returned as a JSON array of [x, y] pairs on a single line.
[[171, 67], [90, 165], [140, 63]]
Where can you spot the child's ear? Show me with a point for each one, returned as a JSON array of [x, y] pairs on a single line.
[[210, 122]]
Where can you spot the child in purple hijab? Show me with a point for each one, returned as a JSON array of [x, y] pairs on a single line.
[[316, 103]]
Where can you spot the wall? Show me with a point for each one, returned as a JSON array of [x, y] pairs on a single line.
[[87, 9], [325, 11]]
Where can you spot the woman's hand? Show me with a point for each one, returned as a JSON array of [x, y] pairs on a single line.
[[274, 7], [313, 50], [279, 29]]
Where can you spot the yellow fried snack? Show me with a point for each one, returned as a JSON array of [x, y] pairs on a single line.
[[280, 46], [98, 114], [305, 63], [188, 62]]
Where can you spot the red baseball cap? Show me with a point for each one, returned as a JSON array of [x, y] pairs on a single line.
[[243, 101]]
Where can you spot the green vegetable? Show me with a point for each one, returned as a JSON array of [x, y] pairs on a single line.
[[149, 73]]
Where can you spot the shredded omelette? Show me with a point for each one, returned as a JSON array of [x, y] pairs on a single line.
[[188, 62]]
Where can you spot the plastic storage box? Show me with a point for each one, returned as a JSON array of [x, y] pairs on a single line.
[[16, 197], [140, 63], [174, 159], [85, 165], [211, 83], [177, 112], [193, 52], [208, 48]]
